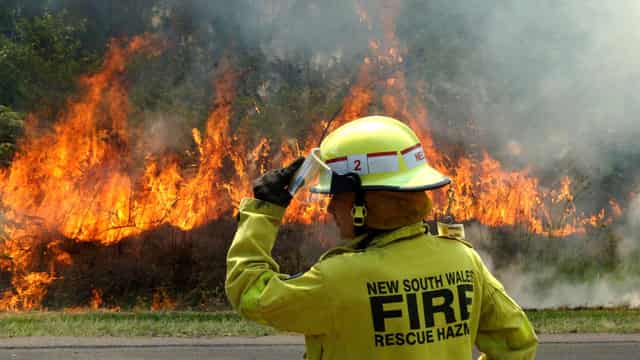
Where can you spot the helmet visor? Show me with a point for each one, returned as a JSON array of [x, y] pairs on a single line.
[[309, 172]]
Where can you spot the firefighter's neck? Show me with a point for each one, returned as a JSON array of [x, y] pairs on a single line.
[[340, 209]]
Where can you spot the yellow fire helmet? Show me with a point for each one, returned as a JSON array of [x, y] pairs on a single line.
[[384, 152]]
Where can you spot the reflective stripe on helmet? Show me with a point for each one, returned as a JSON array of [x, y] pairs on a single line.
[[378, 162]]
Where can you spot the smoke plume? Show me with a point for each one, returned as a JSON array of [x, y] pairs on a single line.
[[569, 103], [569, 71]]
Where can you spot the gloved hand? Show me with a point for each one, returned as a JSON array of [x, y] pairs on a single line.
[[272, 185]]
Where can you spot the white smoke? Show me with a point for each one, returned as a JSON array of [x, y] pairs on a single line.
[[553, 86], [609, 290], [572, 69], [294, 31], [164, 131], [631, 240], [546, 287], [543, 81]]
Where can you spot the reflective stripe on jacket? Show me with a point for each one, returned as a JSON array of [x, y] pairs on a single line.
[[408, 295]]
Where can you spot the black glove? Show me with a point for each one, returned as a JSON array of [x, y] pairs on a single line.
[[272, 185]]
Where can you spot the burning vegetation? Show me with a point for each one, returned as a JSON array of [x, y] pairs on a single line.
[[90, 181]]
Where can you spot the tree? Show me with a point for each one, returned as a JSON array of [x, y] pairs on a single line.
[[39, 61], [10, 130]]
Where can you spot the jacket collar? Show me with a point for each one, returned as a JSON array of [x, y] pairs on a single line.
[[404, 232], [380, 240]]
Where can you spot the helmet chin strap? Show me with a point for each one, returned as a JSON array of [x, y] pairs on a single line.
[[351, 182], [359, 211]]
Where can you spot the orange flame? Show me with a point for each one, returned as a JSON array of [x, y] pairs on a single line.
[[71, 180], [79, 181], [96, 299], [161, 301], [28, 292]]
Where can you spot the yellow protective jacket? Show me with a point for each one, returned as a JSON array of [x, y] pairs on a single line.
[[408, 295]]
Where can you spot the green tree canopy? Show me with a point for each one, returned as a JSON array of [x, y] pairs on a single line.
[[10, 129], [39, 61]]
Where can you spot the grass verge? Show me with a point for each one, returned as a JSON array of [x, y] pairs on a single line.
[[621, 321], [227, 323], [98, 323]]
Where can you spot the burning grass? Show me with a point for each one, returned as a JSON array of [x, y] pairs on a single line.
[[165, 269], [227, 323]]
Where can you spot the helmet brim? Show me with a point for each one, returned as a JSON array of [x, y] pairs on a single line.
[[421, 178]]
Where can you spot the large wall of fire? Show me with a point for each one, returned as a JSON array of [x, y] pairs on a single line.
[[83, 180]]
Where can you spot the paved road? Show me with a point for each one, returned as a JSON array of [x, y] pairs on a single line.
[[565, 347]]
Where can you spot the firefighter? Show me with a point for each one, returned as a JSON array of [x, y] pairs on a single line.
[[392, 290]]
